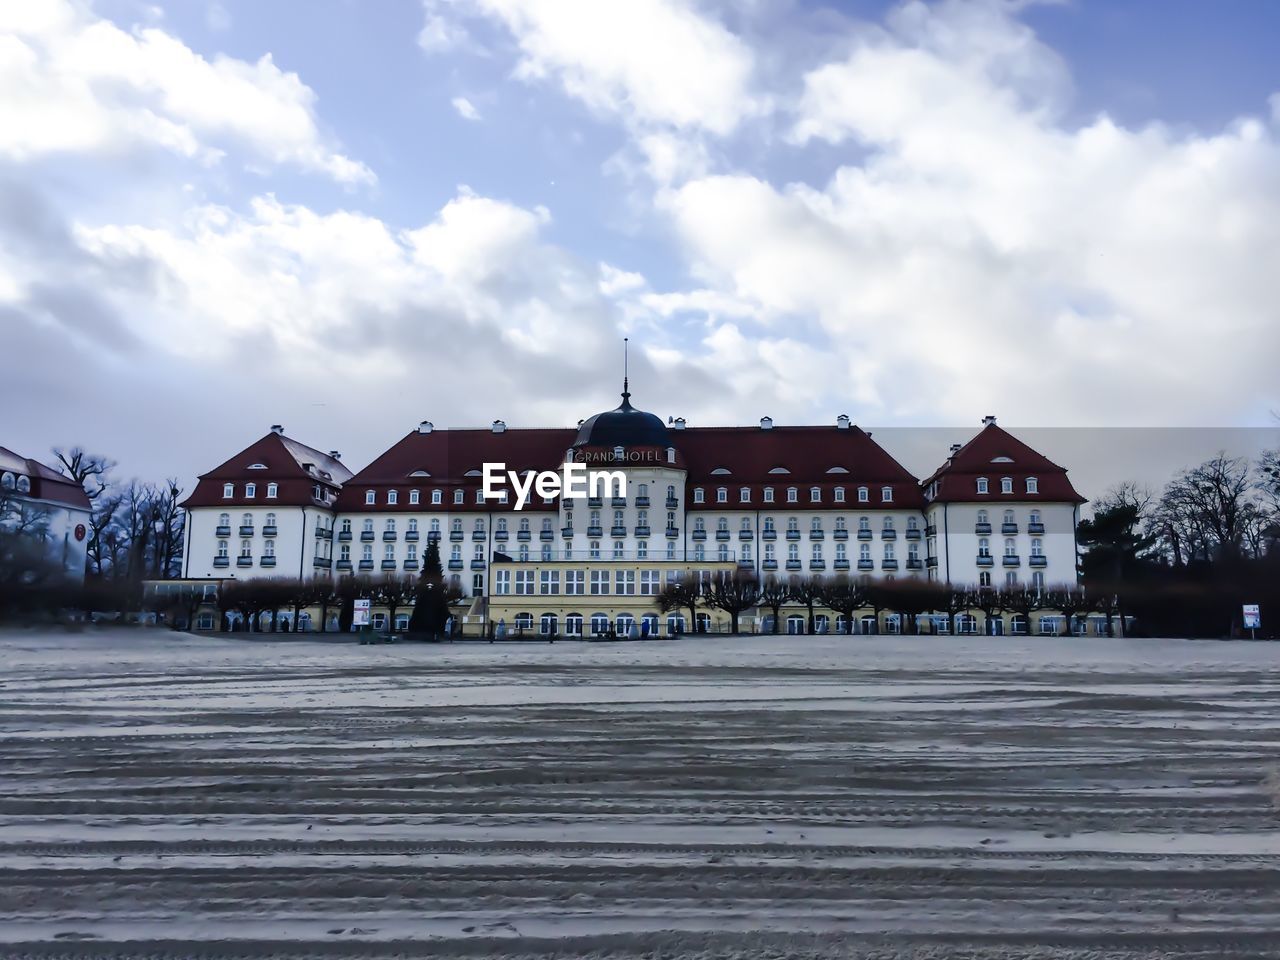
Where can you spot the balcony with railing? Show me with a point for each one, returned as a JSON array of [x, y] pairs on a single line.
[[931, 530], [642, 503], [841, 564], [477, 564], [524, 535], [246, 530], [1035, 529], [366, 536], [864, 533], [815, 533], [411, 536], [672, 503], [817, 564], [388, 535], [618, 503], [244, 561], [986, 560], [1038, 560], [617, 532], [913, 533], [456, 535], [566, 532], [931, 562], [723, 535], [746, 535], [1008, 529], [344, 564], [888, 533], [411, 564], [595, 531], [501, 536], [982, 529], [672, 533], [699, 535], [840, 533], [344, 535], [267, 561], [366, 564], [455, 564], [222, 561], [914, 563], [769, 564], [388, 564], [643, 531], [322, 562], [793, 534], [546, 535], [866, 565], [322, 533], [478, 535], [769, 533], [888, 564], [433, 536], [1011, 560], [595, 503], [794, 564]]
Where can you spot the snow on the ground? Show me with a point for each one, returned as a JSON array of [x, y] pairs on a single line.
[[165, 795]]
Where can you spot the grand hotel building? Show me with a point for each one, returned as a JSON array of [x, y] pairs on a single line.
[[775, 500]]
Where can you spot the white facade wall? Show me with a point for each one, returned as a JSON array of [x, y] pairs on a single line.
[[959, 542], [290, 552]]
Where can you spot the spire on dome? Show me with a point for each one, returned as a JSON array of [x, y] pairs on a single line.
[[626, 392]]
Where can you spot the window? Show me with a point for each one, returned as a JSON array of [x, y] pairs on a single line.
[[224, 519], [368, 526], [370, 497], [839, 495], [1008, 516], [744, 495], [984, 578], [1033, 485], [722, 495], [793, 495], [982, 485], [480, 496], [984, 547], [768, 552], [617, 549], [1035, 517], [642, 550], [391, 526], [793, 525], [599, 582], [574, 583], [671, 493], [642, 490], [864, 523], [270, 521], [864, 553], [1006, 484], [222, 548], [436, 496], [413, 525], [888, 551], [413, 496], [272, 490], [793, 552], [523, 552], [984, 517], [250, 489], [816, 525], [599, 623], [524, 583], [698, 495], [393, 497], [412, 553], [842, 551], [768, 494], [815, 495], [389, 552], [650, 583], [246, 520], [864, 495], [913, 523], [593, 550], [817, 551], [228, 490], [459, 495], [888, 523], [549, 582], [1037, 581], [1010, 547], [722, 525], [886, 494], [625, 583], [1037, 547], [435, 525], [840, 523], [344, 552], [246, 548]]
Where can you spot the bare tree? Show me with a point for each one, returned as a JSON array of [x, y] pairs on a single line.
[[845, 596], [732, 591], [773, 594], [682, 594], [806, 591], [87, 469]]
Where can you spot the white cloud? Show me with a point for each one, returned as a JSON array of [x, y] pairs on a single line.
[[465, 108], [71, 82], [983, 254], [217, 17], [649, 61]]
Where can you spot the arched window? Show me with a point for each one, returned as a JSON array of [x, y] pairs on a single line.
[[815, 494], [744, 495], [573, 624], [983, 516], [816, 524], [547, 624], [839, 494], [271, 520], [723, 524], [224, 519], [793, 495], [699, 524], [1008, 516], [435, 496], [599, 623], [793, 525], [370, 497], [1010, 547], [8, 483], [501, 525]]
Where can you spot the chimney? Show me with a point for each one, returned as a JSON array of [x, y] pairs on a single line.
[[277, 429], [955, 448], [499, 426], [425, 426], [335, 454], [988, 421], [842, 422], [766, 423], [678, 423]]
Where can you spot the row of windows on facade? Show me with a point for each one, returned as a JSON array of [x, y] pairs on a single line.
[[699, 525], [19, 483]]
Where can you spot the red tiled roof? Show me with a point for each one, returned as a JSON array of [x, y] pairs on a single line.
[[294, 467], [46, 483], [995, 453]]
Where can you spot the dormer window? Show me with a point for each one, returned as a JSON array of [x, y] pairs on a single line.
[[698, 495], [228, 490], [793, 495], [744, 495], [886, 494], [272, 490], [413, 496], [839, 495], [250, 489], [257, 466], [722, 495], [1006, 484], [370, 498], [768, 494], [392, 497], [459, 496], [982, 485], [436, 496], [1033, 485], [864, 495], [815, 495]]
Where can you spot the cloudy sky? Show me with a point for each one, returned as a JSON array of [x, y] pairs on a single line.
[[347, 217]]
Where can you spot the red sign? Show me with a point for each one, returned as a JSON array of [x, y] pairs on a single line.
[[80, 531]]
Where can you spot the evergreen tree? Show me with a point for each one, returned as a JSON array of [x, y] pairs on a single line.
[[431, 601]]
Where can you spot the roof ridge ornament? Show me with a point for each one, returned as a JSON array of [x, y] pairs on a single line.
[[626, 391]]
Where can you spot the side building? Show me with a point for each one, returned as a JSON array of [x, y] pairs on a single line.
[[39, 502]]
